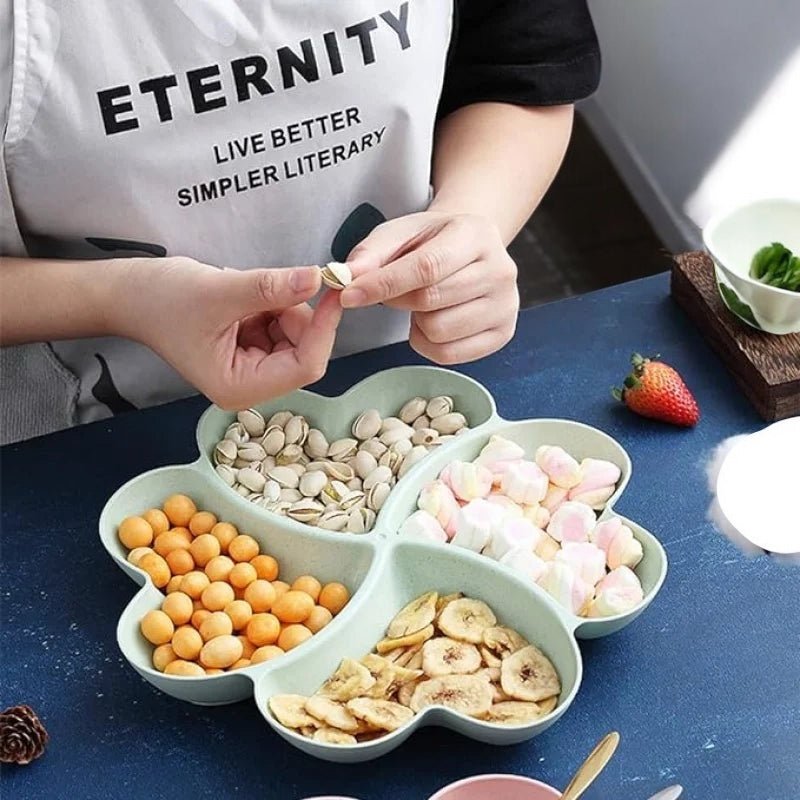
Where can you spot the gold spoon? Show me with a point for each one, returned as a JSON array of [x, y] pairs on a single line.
[[593, 765]]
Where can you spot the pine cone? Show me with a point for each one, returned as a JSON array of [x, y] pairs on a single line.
[[22, 735]]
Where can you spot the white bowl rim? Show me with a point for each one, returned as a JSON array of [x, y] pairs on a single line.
[[720, 216]]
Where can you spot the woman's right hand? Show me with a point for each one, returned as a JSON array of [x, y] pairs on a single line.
[[239, 336]]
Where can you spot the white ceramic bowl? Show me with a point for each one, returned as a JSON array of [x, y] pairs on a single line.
[[732, 238]]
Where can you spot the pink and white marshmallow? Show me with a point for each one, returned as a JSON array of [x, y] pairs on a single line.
[[598, 482], [511, 508], [584, 558], [618, 592], [568, 588], [618, 543], [562, 469], [497, 454], [439, 501], [524, 483], [467, 480], [422, 526], [522, 560], [477, 523], [554, 498], [538, 515], [547, 548], [514, 534], [572, 522]]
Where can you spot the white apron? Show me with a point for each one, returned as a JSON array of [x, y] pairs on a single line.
[[241, 133]]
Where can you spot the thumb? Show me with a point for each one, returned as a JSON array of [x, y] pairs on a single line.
[[246, 292], [385, 243]]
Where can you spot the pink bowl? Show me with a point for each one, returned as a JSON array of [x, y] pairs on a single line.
[[497, 787]]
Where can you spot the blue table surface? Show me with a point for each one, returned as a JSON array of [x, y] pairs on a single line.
[[704, 687]]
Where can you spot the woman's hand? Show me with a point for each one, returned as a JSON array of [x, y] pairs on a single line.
[[451, 271], [240, 337]]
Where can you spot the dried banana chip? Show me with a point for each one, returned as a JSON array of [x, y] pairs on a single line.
[[418, 614], [385, 645], [416, 659], [406, 692], [445, 656], [409, 655], [469, 694], [548, 705], [445, 600], [350, 680], [503, 641], [333, 736], [290, 710], [529, 675], [381, 713], [466, 619], [489, 658], [333, 714], [514, 712]]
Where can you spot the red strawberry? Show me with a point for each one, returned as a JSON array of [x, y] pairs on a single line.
[[655, 390]]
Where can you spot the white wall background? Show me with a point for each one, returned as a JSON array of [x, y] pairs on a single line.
[[699, 104]]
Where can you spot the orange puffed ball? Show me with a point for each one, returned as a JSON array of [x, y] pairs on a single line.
[[194, 584], [163, 655], [186, 668], [178, 607], [218, 623], [240, 613], [214, 671], [280, 587], [242, 662], [293, 606], [202, 522], [266, 653], [174, 584], [260, 595], [221, 652], [248, 648], [204, 548], [318, 619], [217, 595], [243, 548], [180, 562], [187, 642], [157, 627], [200, 615], [135, 532], [263, 629], [224, 533], [334, 596], [136, 554], [266, 567], [292, 636], [155, 566], [242, 575], [308, 584], [170, 540], [158, 520], [219, 568], [179, 509]]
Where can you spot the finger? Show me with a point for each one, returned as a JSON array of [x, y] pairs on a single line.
[[459, 288], [293, 322], [245, 292], [469, 319], [449, 251], [459, 351], [314, 349], [255, 332]]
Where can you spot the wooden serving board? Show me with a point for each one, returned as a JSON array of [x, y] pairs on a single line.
[[766, 367]]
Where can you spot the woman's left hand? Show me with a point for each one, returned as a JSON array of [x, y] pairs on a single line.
[[451, 271]]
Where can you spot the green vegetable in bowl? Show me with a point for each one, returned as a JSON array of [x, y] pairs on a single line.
[[775, 265]]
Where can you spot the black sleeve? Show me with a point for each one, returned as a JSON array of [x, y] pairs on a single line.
[[528, 52]]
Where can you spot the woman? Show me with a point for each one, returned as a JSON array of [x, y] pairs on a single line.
[[166, 167]]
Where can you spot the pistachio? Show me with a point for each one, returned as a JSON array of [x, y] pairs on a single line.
[[354, 485], [374, 447], [392, 460], [279, 418], [296, 430], [306, 511], [255, 497], [252, 421], [439, 406], [252, 479], [339, 471], [342, 449], [312, 483], [240, 463], [449, 423], [391, 422], [225, 452], [415, 455], [424, 436], [413, 409], [317, 466], [421, 422], [316, 444], [402, 447], [272, 490], [291, 454], [273, 440], [241, 490], [365, 463], [355, 522], [227, 473], [396, 433], [336, 275], [290, 495], [280, 507], [336, 489], [352, 499], [266, 465], [333, 519], [442, 440], [381, 474], [237, 433], [251, 451], [377, 495], [285, 477], [367, 425]]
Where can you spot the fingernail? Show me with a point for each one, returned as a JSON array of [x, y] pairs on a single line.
[[353, 298], [301, 280]]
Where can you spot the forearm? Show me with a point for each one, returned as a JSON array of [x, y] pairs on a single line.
[[498, 160], [48, 299]]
